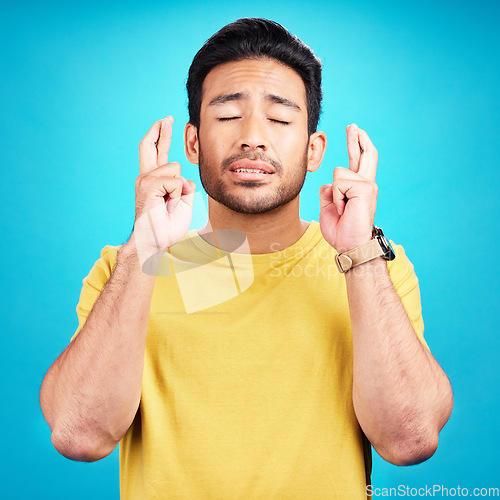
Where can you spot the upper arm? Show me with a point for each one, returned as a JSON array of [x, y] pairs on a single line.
[[93, 284]]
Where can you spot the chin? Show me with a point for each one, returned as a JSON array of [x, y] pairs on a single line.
[[252, 198], [253, 207]]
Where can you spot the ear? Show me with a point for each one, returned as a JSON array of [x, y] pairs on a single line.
[[191, 143], [316, 151]]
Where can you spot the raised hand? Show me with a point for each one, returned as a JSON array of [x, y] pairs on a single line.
[[348, 205], [163, 198]]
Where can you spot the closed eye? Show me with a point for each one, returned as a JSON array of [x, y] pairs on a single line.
[[228, 118]]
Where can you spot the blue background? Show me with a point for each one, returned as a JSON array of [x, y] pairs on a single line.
[[82, 83]]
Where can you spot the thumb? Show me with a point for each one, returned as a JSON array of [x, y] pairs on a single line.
[[187, 194], [325, 196], [188, 186], [188, 189], [328, 214]]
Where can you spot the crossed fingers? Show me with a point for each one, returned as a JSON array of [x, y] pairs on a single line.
[[363, 156], [155, 146]]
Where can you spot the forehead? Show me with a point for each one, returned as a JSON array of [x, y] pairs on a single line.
[[255, 77]]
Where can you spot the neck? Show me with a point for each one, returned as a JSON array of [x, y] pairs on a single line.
[[266, 233]]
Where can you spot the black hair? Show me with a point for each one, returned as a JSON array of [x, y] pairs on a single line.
[[251, 38]]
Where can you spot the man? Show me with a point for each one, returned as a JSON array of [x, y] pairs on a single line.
[[262, 373]]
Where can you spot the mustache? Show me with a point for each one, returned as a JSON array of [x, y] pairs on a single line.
[[252, 155]]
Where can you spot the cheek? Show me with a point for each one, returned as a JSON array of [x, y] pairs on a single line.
[[291, 147], [209, 148], [215, 143]]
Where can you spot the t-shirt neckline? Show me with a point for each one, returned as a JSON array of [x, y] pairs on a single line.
[[309, 238]]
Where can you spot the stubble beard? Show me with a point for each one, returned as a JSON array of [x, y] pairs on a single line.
[[259, 203]]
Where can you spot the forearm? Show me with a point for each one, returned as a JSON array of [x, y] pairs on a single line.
[[401, 396], [92, 392]]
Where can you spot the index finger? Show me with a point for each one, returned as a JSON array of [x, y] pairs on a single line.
[[369, 157], [147, 149], [164, 141]]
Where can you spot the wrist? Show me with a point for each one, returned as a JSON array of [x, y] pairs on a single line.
[[374, 267], [378, 246], [128, 248], [146, 261]]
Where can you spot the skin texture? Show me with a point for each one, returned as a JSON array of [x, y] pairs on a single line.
[[272, 132], [267, 211], [401, 396], [259, 203]]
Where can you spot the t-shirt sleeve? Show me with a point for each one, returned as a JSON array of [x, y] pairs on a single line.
[[93, 284], [405, 282]]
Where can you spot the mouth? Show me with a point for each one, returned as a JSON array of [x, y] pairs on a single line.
[[250, 170]]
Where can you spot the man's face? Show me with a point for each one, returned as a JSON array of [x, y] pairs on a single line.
[[253, 135]]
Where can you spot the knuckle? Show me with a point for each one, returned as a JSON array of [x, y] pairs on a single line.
[[172, 183], [175, 168], [337, 172], [372, 187], [138, 184], [142, 179]]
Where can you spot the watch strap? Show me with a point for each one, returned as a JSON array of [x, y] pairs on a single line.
[[359, 255]]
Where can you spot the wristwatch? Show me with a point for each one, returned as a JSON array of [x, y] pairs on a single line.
[[378, 246]]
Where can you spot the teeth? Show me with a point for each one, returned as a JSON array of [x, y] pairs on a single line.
[[250, 170]]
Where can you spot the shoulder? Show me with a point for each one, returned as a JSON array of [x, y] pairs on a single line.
[[401, 269], [104, 265]]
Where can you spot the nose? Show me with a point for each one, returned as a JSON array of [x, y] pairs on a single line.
[[253, 133]]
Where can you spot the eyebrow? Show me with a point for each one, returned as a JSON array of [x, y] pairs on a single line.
[[237, 96], [282, 100]]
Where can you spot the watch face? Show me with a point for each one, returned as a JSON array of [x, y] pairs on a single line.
[[384, 244]]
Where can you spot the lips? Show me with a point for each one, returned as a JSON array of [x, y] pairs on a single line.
[[252, 166]]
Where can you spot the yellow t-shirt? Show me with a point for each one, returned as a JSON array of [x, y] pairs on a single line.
[[247, 382]]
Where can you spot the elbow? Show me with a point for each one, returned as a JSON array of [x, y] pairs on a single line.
[[81, 449], [416, 442], [411, 450]]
